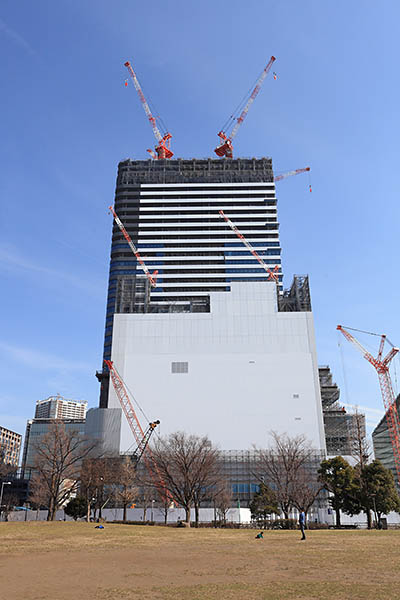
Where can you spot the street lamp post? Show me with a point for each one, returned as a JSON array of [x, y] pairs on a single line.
[[1, 494], [152, 507]]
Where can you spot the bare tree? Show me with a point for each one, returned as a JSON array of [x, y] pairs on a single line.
[[360, 446], [10, 500], [125, 490], [6, 469], [58, 459], [95, 474], [222, 499], [361, 452], [307, 488], [186, 464], [38, 493], [281, 465]]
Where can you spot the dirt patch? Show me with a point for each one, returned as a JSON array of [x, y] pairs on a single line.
[[73, 560]]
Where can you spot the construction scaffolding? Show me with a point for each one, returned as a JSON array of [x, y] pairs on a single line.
[[341, 427], [297, 298]]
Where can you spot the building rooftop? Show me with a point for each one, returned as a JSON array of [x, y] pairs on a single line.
[[207, 170]]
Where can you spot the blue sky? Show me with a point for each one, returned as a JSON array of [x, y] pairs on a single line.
[[67, 119]]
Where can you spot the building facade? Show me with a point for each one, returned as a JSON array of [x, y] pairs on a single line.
[[36, 429], [10, 447], [217, 347], [57, 407], [382, 443]]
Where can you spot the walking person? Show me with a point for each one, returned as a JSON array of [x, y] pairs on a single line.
[[302, 523]]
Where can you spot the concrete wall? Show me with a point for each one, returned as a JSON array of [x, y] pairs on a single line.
[[251, 369]]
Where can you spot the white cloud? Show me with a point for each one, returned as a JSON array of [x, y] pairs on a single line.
[[10, 259], [42, 360], [15, 37], [365, 409]]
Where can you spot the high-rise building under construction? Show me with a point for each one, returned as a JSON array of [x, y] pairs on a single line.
[[217, 347]]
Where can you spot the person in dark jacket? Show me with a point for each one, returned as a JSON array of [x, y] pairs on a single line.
[[302, 523]]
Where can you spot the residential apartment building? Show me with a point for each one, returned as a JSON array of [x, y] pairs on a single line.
[[57, 407], [10, 447]]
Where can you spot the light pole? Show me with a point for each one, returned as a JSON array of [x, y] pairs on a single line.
[[1, 494], [152, 506]]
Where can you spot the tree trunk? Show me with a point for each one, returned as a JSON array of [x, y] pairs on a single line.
[[369, 520], [52, 510], [88, 513], [124, 513], [187, 515], [196, 515], [337, 510]]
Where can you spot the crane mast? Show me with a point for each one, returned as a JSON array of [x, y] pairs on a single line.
[[271, 274], [152, 278], [381, 365], [163, 147], [142, 439], [226, 148]]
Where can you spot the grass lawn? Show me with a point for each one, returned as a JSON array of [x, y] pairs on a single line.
[[43, 561]]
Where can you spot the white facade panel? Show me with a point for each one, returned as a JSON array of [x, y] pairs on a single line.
[[251, 369]]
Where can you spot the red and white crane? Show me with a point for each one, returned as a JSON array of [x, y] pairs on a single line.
[[162, 148], [381, 364], [290, 173], [226, 148], [295, 172], [141, 437], [152, 278], [272, 274]]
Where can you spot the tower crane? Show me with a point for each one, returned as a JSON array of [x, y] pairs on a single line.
[[226, 148], [290, 173], [272, 274], [295, 172], [162, 148], [381, 364], [142, 438], [152, 278]]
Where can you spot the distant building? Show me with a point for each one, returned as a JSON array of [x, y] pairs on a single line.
[[36, 429], [382, 443], [10, 447], [57, 407], [340, 426]]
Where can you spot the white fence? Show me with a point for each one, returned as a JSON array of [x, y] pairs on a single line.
[[206, 515]]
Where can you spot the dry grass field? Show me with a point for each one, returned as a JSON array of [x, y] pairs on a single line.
[[56, 561]]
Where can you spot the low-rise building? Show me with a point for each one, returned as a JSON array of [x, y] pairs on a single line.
[[10, 447]]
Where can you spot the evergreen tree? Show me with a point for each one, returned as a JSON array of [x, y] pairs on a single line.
[[338, 477], [76, 507], [264, 504], [378, 490]]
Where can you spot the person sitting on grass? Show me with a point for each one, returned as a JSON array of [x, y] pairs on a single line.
[[260, 536]]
